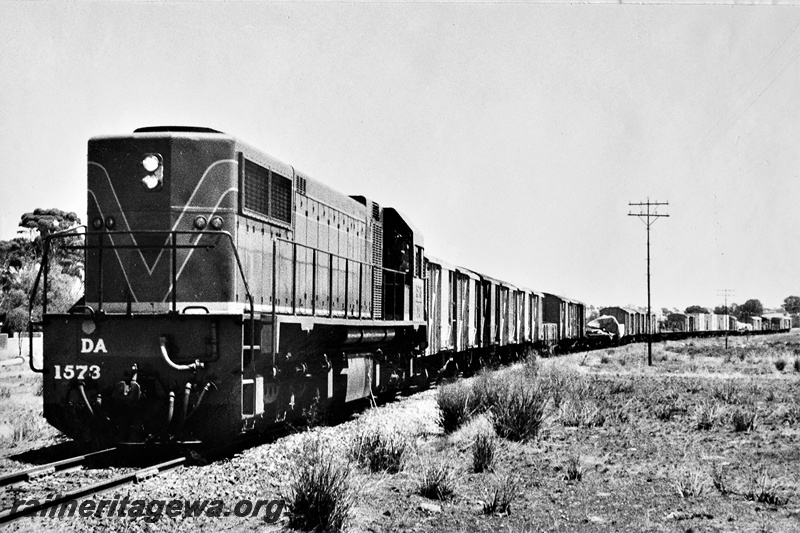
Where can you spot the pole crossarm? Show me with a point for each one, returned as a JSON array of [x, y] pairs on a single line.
[[648, 214], [726, 293]]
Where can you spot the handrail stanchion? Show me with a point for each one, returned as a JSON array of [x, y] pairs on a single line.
[[330, 285], [173, 242], [100, 270], [274, 299], [360, 290], [314, 282], [294, 278], [346, 286]]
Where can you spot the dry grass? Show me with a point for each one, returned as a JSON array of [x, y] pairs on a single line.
[[767, 489], [690, 482], [484, 450], [380, 450], [519, 410], [454, 405], [319, 496], [502, 491], [436, 479]]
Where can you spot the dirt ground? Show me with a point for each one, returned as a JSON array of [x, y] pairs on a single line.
[[667, 457]]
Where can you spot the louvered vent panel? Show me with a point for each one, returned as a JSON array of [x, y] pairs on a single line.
[[377, 272], [281, 198], [256, 188]]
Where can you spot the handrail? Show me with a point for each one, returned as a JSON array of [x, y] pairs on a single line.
[[171, 244], [390, 280], [309, 247]]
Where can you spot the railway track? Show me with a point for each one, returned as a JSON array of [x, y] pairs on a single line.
[[137, 476], [64, 465], [186, 457]]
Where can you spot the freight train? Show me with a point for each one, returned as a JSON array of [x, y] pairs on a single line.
[[621, 325], [227, 292]]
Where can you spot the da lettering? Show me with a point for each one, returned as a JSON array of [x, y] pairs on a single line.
[[89, 346]]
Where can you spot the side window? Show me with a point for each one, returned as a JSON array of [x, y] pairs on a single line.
[[266, 193]]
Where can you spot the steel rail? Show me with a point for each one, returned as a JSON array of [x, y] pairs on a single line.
[[49, 468], [134, 477]]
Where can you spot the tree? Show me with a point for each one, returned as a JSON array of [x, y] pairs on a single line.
[[48, 221], [792, 304], [696, 309], [45, 222], [750, 308], [722, 310], [19, 265]]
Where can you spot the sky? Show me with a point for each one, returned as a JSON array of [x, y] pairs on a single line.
[[512, 135]]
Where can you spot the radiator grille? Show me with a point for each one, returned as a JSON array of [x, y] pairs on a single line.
[[267, 193], [377, 272], [256, 188], [281, 198]]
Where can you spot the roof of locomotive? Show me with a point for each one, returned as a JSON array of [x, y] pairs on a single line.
[[314, 188]]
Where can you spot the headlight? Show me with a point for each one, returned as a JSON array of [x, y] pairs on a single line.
[[216, 223], [200, 222], [151, 181], [152, 173], [151, 162]]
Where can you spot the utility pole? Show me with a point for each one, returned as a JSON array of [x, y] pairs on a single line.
[[726, 293], [649, 217]]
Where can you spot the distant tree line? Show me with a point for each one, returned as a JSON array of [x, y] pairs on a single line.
[[20, 259]]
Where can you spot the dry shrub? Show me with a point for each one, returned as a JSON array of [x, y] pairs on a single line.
[[483, 452], [454, 406], [766, 489], [780, 364], [744, 418], [576, 412], [5, 392], [380, 451], [727, 391], [530, 366], [690, 483], [486, 389], [719, 481], [437, 479], [789, 414], [558, 382], [622, 387], [573, 470], [797, 364], [707, 414], [319, 495], [502, 492], [666, 408], [519, 411]]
